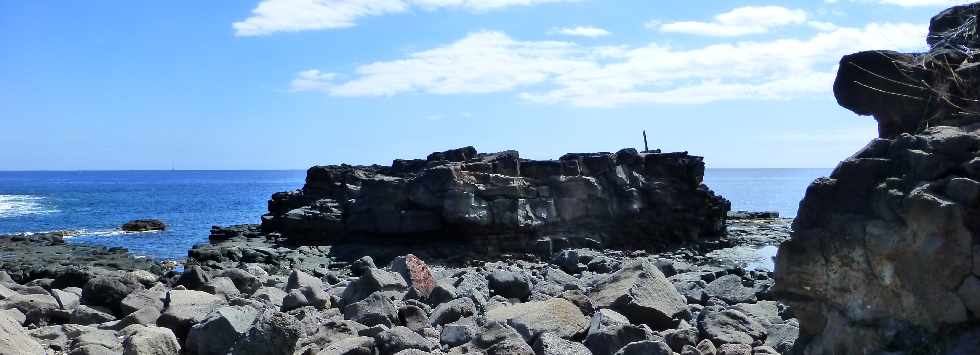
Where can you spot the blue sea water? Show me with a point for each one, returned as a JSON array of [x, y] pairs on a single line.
[[95, 203]]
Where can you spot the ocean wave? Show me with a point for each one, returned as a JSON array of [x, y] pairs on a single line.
[[23, 205], [67, 234]]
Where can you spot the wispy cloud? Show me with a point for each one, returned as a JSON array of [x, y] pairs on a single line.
[[271, 16], [581, 31], [604, 76], [737, 22]]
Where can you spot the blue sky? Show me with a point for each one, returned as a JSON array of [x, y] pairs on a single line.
[[285, 84]]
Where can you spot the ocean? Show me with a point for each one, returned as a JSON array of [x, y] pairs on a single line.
[[93, 204]]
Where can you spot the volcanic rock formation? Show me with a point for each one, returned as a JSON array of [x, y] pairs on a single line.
[[885, 253], [502, 202]]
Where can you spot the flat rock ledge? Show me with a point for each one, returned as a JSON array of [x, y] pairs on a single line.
[[501, 202]]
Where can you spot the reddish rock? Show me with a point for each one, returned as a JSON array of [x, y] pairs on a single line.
[[416, 273]]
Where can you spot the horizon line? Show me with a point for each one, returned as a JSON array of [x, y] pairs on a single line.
[[304, 169]]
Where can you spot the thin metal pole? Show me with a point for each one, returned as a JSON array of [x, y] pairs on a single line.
[[646, 147]]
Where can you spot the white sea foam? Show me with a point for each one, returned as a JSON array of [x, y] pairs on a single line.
[[66, 234], [22, 205]]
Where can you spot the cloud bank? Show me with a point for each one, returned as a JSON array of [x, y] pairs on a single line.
[[557, 72], [272, 16]]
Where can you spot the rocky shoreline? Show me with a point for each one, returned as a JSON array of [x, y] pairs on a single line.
[[622, 253], [249, 292]]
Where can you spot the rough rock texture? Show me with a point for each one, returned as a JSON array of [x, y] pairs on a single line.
[[885, 252], [14, 339], [502, 202], [642, 293], [556, 316], [151, 341]]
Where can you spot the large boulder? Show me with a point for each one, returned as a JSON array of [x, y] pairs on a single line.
[[373, 280], [502, 202], [272, 333], [883, 251], [729, 288], [374, 310], [185, 308], [398, 339], [510, 284], [557, 316], [151, 341], [217, 333], [452, 311], [641, 292], [729, 326], [14, 339], [416, 273], [109, 291], [149, 298]]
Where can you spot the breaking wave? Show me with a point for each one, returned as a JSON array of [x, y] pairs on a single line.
[[23, 205]]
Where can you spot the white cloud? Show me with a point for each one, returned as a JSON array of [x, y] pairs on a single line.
[[604, 76], [909, 3], [271, 16], [738, 22], [582, 31], [913, 3]]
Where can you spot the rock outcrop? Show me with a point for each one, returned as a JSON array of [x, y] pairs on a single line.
[[885, 253], [144, 225], [502, 202]]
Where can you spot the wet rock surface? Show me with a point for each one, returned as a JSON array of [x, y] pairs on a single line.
[[884, 252]]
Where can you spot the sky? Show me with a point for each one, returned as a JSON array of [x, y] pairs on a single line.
[[286, 84]]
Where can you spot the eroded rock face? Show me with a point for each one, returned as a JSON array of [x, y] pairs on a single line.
[[500, 201], [884, 253]]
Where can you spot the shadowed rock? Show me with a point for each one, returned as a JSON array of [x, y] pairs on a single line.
[[884, 252], [502, 202]]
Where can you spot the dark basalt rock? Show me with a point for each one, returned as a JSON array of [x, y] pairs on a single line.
[[908, 92], [144, 225], [498, 202], [47, 256], [884, 253]]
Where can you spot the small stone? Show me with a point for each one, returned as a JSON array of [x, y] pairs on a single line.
[[551, 344], [706, 347], [735, 349], [646, 347]]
